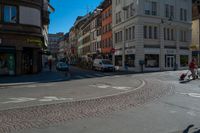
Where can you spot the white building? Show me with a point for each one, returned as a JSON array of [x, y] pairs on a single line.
[[156, 33]]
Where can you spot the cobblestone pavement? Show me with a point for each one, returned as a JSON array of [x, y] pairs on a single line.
[[53, 114]]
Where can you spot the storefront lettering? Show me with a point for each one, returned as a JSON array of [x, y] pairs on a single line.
[[38, 42], [170, 52]]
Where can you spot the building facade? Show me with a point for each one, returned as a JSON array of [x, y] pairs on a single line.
[[152, 35], [53, 43], [106, 29], [64, 49], [22, 39]]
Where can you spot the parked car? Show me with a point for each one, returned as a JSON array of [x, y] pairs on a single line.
[[62, 66], [103, 65]]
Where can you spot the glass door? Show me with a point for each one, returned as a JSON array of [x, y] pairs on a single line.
[[170, 62]]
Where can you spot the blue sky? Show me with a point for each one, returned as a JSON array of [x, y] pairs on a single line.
[[66, 12]]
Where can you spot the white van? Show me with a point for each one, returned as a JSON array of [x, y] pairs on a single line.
[[103, 65]]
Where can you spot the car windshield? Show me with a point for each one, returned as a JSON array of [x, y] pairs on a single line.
[[107, 62]]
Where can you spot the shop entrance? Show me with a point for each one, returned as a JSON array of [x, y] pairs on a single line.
[[27, 61], [170, 62], [7, 61]]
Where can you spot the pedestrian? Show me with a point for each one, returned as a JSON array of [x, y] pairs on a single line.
[[192, 67]]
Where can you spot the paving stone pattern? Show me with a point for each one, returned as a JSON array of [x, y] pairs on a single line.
[[50, 115]]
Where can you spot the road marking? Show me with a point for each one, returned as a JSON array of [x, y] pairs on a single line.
[[52, 98], [104, 86], [19, 100], [44, 99], [121, 88], [172, 111], [196, 95], [191, 113]]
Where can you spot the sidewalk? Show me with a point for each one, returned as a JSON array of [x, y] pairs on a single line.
[[43, 77]]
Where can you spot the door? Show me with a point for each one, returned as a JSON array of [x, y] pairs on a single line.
[[170, 62]]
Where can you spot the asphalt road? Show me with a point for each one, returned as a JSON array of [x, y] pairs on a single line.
[[113, 103]]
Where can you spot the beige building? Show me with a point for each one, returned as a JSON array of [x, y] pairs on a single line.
[[152, 35]]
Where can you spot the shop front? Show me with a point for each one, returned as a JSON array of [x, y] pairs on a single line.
[[7, 61]]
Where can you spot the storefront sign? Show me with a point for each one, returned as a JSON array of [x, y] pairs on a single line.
[[170, 51], [35, 41], [130, 51]]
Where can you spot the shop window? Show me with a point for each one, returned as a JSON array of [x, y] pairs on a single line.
[[118, 60], [151, 60], [184, 60], [7, 64], [10, 14], [130, 60]]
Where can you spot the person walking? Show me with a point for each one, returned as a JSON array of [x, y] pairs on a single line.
[[192, 67]]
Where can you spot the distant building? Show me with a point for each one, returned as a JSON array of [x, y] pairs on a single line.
[[53, 43], [23, 35], [64, 48], [152, 35], [106, 34]]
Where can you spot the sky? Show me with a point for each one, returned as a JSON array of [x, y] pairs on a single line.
[[66, 12]]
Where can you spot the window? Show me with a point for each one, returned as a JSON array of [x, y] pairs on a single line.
[[150, 32], [118, 17], [130, 33], [126, 34], [165, 38], [145, 32], [183, 14], [183, 36], [184, 60], [167, 11], [133, 32], [151, 60], [147, 8], [10, 14], [155, 33], [132, 10], [128, 12], [130, 60], [168, 37], [118, 37], [172, 34], [172, 11], [118, 2], [154, 8]]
